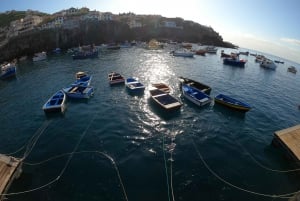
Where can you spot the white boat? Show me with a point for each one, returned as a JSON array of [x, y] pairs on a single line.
[[56, 103], [115, 78], [195, 96], [134, 85], [79, 92], [267, 63], [39, 56], [211, 49]]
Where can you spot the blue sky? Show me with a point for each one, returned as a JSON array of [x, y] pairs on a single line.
[[269, 26]]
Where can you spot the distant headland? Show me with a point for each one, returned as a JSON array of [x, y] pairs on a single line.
[[26, 32]]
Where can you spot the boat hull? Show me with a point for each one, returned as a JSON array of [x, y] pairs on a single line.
[[232, 103], [79, 92], [165, 100]]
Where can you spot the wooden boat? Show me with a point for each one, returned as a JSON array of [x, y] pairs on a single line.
[[292, 69], [134, 85], [195, 84], [195, 96], [224, 55], [162, 87], [79, 92], [164, 100], [200, 52], [39, 56], [234, 62], [232, 103], [8, 70], [56, 103], [115, 78]]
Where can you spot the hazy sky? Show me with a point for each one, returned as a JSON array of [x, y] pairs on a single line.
[[270, 26]]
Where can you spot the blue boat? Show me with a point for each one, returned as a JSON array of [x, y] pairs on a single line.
[[232, 103], [164, 100], [79, 92], [84, 81], [195, 96], [8, 70], [133, 85], [234, 62], [56, 103]]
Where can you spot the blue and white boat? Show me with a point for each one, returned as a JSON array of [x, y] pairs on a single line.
[[232, 103], [195, 96], [82, 79], [133, 85], [8, 70], [79, 92], [164, 100], [56, 103]]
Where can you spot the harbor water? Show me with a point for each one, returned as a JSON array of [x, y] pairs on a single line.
[[118, 146]]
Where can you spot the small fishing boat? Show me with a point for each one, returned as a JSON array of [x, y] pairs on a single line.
[[133, 85], [79, 92], [232, 103], [244, 53], [162, 86], [8, 70], [82, 79], [292, 69], [39, 56], [234, 62], [195, 96], [85, 54], [195, 84], [279, 62], [115, 78], [56, 103], [267, 63], [164, 100]]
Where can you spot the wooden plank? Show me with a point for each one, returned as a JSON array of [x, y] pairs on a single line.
[[290, 139], [8, 167]]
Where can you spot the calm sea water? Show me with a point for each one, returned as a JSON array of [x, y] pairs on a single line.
[[209, 153]]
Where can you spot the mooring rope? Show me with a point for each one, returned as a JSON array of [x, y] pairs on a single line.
[[33, 140], [263, 166], [166, 168], [285, 196]]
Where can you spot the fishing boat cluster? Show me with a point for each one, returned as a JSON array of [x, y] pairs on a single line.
[[192, 90]]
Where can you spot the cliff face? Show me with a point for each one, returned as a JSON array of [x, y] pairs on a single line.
[[98, 32]]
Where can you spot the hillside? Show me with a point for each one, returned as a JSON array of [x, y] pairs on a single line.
[[87, 31]]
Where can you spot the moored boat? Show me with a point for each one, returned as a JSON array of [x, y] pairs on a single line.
[[211, 49], [115, 78], [79, 92], [56, 103], [83, 81], [39, 56], [292, 69], [134, 85], [162, 86], [232, 103], [195, 96], [164, 100], [234, 62], [8, 70], [195, 84], [179, 53], [267, 63]]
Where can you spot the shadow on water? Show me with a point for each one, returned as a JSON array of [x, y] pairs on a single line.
[[228, 112], [138, 93], [51, 115], [164, 114]]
